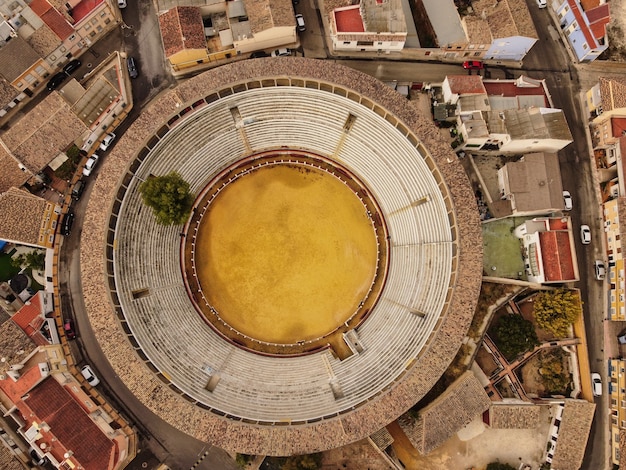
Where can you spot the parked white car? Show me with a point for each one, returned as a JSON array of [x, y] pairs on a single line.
[[600, 270], [567, 200], [106, 142], [281, 52], [90, 165], [596, 384], [90, 376], [585, 234]]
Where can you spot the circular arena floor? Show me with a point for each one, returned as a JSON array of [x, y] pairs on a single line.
[[282, 254], [210, 384]]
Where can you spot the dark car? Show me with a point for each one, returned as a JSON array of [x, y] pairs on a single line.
[[71, 66], [66, 225], [56, 80], [78, 189], [132, 67], [259, 54], [473, 65], [37, 459], [68, 327]]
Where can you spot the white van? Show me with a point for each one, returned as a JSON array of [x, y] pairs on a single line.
[[300, 23]]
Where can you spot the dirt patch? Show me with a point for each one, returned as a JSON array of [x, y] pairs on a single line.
[[546, 374], [486, 362], [615, 31]]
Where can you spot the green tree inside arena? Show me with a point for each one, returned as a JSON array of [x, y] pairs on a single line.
[[169, 198], [303, 462], [499, 466], [556, 310], [515, 336]]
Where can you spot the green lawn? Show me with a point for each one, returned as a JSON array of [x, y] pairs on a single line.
[[7, 270]]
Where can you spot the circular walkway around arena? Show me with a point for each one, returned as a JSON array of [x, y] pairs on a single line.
[[211, 388]]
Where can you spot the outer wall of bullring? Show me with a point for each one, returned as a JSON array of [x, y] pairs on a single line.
[[97, 245]]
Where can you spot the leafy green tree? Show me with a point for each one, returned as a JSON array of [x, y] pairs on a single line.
[[499, 466], [556, 310], [169, 198], [242, 460], [35, 260], [303, 462], [515, 336]]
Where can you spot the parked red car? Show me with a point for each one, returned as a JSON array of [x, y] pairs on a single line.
[[473, 65], [68, 326]]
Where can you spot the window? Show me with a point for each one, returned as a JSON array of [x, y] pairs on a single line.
[[347, 43], [103, 14], [365, 43], [40, 70], [29, 78], [94, 21], [72, 37], [585, 46], [99, 28], [92, 34], [87, 27]]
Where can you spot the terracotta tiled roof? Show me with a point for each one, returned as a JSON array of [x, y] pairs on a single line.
[[622, 448], [349, 21], [510, 88], [16, 389], [55, 20], [518, 416], [85, 7], [181, 28], [477, 30], [466, 84], [51, 403], [573, 435], [7, 92], [44, 41], [62, 7], [16, 57], [8, 460], [464, 401], [267, 14], [589, 4], [14, 346], [30, 318], [612, 93], [506, 18], [578, 14], [557, 256], [598, 18], [10, 173], [618, 126], [49, 129], [22, 215], [330, 5]]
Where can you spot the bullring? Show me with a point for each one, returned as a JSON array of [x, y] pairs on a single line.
[[229, 396]]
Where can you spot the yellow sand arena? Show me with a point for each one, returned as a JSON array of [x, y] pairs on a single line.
[[286, 253]]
